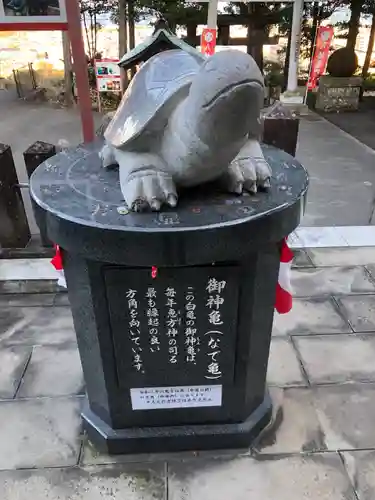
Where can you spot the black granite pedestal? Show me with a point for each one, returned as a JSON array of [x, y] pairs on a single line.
[[173, 311]]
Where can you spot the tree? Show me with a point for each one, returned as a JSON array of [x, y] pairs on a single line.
[[258, 18], [68, 70], [370, 46], [123, 31], [349, 30], [176, 12], [318, 12], [313, 15], [90, 10], [356, 8], [123, 38], [131, 23]]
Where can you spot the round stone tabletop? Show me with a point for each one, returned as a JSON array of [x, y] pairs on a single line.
[[81, 205]]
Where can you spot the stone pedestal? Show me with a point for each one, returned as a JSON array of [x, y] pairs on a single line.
[[14, 227], [34, 155], [280, 128], [338, 94], [173, 311]]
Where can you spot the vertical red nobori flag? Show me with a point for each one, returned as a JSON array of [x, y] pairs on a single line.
[[208, 41], [284, 299], [323, 40]]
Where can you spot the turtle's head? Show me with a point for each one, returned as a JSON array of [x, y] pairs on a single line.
[[226, 97]]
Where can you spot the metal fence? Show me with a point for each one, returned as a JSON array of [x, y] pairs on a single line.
[[25, 80]]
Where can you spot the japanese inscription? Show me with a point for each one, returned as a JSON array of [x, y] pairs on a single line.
[[134, 330], [161, 398], [179, 328], [173, 322], [192, 341], [215, 300], [153, 320]]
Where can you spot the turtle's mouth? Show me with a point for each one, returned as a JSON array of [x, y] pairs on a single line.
[[228, 89]]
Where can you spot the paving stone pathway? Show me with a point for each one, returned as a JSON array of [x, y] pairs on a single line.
[[321, 445]]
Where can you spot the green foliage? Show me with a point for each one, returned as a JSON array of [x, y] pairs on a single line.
[[90, 9], [273, 74], [176, 12], [173, 11], [91, 75], [97, 7], [369, 83], [367, 9], [342, 63]]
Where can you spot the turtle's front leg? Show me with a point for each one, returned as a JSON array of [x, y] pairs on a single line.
[[249, 170], [144, 181], [107, 155]]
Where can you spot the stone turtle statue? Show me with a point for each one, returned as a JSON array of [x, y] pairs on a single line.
[[186, 120]]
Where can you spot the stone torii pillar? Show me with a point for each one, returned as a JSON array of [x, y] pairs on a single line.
[[295, 45], [212, 14]]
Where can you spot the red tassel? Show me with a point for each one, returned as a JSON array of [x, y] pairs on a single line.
[[57, 260]]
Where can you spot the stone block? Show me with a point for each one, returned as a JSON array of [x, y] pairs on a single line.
[[310, 316], [346, 256], [14, 286], [360, 311], [346, 414], [314, 477], [39, 433], [360, 466], [62, 299], [13, 361], [36, 325], [295, 427], [92, 483], [26, 299], [338, 358], [338, 94], [281, 133], [302, 259], [53, 371], [14, 227], [284, 368], [34, 155], [331, 281]]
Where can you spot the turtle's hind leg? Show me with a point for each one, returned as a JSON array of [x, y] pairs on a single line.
[[144, 181]]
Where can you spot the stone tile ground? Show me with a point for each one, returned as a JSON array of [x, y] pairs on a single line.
[[320, 446]]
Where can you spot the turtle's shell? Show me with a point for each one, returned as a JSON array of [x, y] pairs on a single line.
[[151, 90]]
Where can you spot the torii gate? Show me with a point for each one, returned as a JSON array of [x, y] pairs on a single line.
[[295, 38], [59, 15]]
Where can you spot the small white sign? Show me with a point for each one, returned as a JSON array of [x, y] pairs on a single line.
[[108, 75], [165, 398]]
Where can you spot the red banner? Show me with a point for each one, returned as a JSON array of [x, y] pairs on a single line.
[[323, 42], [208, 41]]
